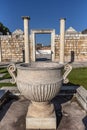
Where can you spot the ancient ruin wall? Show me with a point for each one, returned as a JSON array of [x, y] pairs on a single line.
[[12, 48], [75, 48]]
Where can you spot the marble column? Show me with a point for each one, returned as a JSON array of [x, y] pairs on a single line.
[[0, 50], [62, 40], [26, 38]]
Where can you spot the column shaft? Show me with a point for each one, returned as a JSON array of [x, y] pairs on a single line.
[[62, 40], [26, 39]]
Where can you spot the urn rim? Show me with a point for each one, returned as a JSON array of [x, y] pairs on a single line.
[[40, 66]]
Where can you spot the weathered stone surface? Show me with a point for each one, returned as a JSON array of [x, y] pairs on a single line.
[[70, 115], [81, 96], [41, 123], [43, 80], [73, 42], [4, 94], [12, 49], [45, 119], [39, 82], [12, 115]]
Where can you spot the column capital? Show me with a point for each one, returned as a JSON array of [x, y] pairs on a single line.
[[26, 17], [62, 19]]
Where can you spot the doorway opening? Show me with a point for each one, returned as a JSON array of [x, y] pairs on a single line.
[[40, 39], [43, 47]]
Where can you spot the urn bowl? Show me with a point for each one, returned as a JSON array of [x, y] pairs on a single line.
[[39, 81]]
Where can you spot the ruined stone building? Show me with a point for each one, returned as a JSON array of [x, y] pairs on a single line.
[[12, 46]]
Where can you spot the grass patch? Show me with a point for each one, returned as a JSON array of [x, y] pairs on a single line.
[[78, 76], [5, 76], [6, 85], [3, 70]]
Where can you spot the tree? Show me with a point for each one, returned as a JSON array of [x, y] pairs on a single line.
[[84, 31], [4, 30]]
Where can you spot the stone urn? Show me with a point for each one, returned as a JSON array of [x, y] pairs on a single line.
[[39, 82]]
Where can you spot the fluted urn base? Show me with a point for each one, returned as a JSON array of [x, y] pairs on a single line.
[[41, 115]]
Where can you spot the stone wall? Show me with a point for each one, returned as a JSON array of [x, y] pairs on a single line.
[[12, 48], [75, 47]]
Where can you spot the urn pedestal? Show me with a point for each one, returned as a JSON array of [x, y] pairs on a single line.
[[39, 82], [41, 116]]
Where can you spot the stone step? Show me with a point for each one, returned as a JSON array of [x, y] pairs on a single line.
[[68, 90], [5, 81], [81, 91], [4, 94], [2, 74], [81, 97], [13, 90]]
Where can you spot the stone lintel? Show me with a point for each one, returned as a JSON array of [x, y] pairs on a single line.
[[42, 31]]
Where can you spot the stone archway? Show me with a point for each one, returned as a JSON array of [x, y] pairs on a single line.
[[43, 31]]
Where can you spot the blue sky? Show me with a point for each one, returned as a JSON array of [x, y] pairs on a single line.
[[44, 13]]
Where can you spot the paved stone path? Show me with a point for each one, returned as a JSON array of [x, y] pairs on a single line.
[[79, 64], [5, 81], [2, 74]]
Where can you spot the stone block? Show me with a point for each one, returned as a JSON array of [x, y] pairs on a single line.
[[41, 123], [3, 96], [81, 97]]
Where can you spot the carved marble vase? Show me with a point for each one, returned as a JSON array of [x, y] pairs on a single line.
[[39, 82]]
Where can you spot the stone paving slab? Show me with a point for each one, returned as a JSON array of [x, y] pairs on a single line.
[[13, 90], [2, 74], [74, 119], [5, 81], [79, 64], [4, 95], [12, 116], [69, 114]]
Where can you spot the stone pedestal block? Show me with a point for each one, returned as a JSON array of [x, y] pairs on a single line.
[[41, 123], [41, 115]]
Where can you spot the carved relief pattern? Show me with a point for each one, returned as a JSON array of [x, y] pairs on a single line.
[[41, 92], [11, 69], [67, 69]]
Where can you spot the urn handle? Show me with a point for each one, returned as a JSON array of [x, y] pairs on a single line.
[[12, 71], [67, 69]]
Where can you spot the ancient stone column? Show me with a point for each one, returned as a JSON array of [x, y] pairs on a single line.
[[26, 38], [62, 40], [0, 50]]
